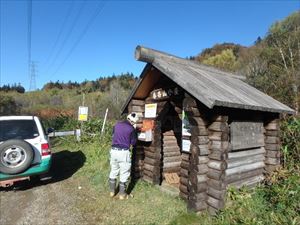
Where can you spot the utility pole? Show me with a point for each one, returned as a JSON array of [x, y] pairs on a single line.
[[33, 71], [29, 23]]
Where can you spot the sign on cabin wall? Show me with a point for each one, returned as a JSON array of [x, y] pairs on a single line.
[[145, 133], [246, 135], [150, 110], [186, 127], [186, 133], [162, 94], [145, 136], [186, 145]]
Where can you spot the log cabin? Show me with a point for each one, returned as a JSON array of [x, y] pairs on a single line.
[[202, 129]]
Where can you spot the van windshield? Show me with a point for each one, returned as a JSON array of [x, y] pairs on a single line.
[[18, 129]]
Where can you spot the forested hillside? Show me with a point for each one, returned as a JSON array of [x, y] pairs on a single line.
[[59, 99]]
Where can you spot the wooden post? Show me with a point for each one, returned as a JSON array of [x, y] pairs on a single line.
[[104, 121], [78, 134]]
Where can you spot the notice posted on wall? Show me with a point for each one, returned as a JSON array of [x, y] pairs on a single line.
[[186, 145], [186, 127], [150, 110], [145, 136]]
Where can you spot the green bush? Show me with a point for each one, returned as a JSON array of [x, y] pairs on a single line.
[[8, 105], [290, 136], [61, 123]]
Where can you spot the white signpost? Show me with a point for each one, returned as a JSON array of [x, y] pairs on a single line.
[[83, 113]]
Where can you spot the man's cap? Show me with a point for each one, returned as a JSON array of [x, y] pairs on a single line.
[[132, 117]]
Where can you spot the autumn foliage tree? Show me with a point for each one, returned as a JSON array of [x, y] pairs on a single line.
[[271, 64]]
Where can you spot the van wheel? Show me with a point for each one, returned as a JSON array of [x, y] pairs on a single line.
[[15, 156]]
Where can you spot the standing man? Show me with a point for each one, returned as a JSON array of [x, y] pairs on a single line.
[[124, 136]]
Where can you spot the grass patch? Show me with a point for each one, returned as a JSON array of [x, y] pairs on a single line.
[[276, 202]]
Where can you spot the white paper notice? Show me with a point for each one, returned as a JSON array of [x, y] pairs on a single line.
[[150, 110]]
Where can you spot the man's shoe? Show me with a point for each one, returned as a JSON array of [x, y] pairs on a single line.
[[123, 197], [111, 194], [126, 196]]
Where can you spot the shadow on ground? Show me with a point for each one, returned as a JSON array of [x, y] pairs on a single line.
[[64, 164]]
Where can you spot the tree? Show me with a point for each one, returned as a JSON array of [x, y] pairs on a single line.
[[277, 61], [283, 39], [226, 60]]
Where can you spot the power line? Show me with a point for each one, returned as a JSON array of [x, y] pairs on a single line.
[[90, 22], [67, 36], [29, 22], [70, 9]]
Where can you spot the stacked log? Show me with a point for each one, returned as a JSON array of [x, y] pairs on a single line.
[[137, 106], [152, 161], [272, 145], [184, 175], [138, 157], [171, 153], [218, 146], [197, 177], [245, 167]]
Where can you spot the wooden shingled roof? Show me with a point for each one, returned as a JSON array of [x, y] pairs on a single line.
[[210, 86]]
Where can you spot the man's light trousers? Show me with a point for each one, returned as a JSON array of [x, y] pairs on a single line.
[[120, 163]]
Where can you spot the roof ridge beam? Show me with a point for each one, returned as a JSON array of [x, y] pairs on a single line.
[[148, 55]]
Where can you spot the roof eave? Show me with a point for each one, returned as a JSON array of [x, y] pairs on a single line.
[[136, 86], [255, 108]]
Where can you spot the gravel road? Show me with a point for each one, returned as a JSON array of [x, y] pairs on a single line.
[[37, 203], [40, 205]]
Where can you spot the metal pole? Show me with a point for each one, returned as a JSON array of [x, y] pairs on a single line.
[[81, 122], [104, 121]]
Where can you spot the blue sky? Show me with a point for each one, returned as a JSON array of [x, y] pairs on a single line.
[[83, 46]]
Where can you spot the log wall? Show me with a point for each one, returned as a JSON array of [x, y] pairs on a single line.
[[245, 167], [171, 136], [171, 156], [152, 161], [184, 175], [138, 155], [272, 145]]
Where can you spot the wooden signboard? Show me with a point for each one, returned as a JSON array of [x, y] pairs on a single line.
[[160, 94], [246, 135]]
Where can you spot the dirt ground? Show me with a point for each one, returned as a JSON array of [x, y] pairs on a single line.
[[41, 204], [53, 202], [70, 199]]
